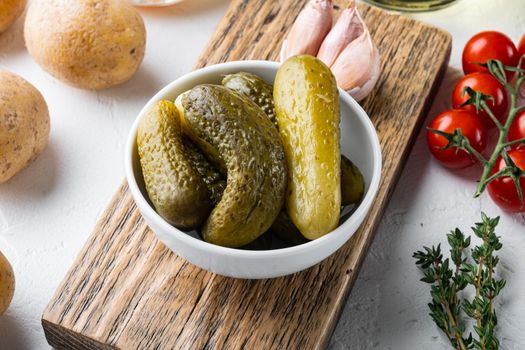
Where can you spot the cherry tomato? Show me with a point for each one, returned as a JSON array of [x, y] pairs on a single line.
[[503, 190], [449, 121], [517, 129], [487, 84], [489, 45]]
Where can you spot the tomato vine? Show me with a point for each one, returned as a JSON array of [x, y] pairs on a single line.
[[479, 100]]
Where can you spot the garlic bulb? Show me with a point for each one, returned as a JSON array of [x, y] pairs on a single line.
[[310, 28], [155, 3], [348, 50]]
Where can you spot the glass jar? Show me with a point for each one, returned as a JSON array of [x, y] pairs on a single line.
[[412, 5]]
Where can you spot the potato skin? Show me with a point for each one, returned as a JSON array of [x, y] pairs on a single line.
[[90, 44], [10, 10], [7, 284], [24, 124]]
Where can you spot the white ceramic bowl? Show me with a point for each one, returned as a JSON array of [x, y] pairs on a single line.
[[359, 142]]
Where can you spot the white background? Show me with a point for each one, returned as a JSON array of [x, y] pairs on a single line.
[[48, 210]]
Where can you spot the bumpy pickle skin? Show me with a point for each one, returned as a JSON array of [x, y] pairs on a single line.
[[255, 88], [352, 191], [176, 190], [215, 182], [237, 136], [259, 91], [307, 110], [352, 182]]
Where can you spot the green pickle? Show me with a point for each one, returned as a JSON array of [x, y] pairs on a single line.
[[215, 182], [352, 191], [307, 109], [255, 88], [193, 183], [176, 190], [236, 135], [352, 183]]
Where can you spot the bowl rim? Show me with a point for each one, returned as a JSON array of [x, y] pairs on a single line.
[[149, 211]]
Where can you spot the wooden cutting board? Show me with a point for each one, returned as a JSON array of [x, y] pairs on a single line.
[[127, 290]]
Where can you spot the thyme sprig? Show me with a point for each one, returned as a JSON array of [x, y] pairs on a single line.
[[448, 277], [479, 101]]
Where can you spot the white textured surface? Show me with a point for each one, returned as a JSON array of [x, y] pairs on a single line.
[[48, 211], [387, 308]]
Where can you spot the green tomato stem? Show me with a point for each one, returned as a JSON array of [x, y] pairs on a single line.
[[498, 174], [502, 137], [491, 115], [475, 153], [511, 143]]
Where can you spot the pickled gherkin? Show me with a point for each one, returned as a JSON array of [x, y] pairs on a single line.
[[237, 136], [176, 190], [307, 109], [215, 182], [352, 182], [255, 88], [352, 191]]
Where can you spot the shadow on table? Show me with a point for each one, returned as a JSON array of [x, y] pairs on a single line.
[[37, 180], [12, 41], [12, 333], [139, 89]]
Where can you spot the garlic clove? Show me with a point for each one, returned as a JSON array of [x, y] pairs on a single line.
[[358, 64], [282, 53], [309, 29], [347, 28], [360, 93]]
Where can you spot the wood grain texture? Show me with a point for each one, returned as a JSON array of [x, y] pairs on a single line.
[[127, 290]]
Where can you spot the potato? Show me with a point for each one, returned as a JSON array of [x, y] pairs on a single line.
[[10, 10], [24, 124], [7, 283], [90, 44]]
